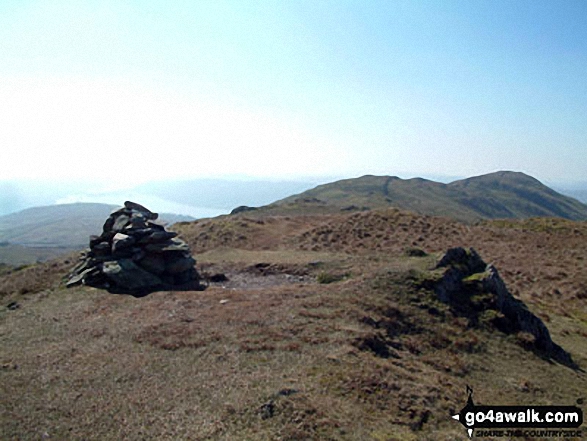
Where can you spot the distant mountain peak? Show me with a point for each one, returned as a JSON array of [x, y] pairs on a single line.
[[501, 194], [502, 175]]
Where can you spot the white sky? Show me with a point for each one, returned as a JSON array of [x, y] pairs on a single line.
[[125, 131], [126, 92]]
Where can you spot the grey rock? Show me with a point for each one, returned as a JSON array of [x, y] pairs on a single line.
[[138, 207], [120, 222], [181, 278], [158, 236], [122, 241], [94, 240], [139, 233], [155, 225], [169, 245], [127, 276], [466, 275], [84, 263], [243, 209], [218, 278], [168, 279], [109, 224], [138, 254], [101, 249], [77, 278], [137, 221], [13, 306], [518, 312], [180, 265], [154, 263], [81, 277], [467, 260]]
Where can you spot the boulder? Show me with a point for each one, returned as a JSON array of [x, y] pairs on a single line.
[[135, 254], [472, 288], [157, 237], [126, 276], [171, 245], [101, 249], [133, 206], [153, 263], [243, 209], [120, 222], [179, 264], [121, 241]]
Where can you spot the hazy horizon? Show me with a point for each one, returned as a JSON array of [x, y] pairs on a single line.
[[197, 198], [19, 194]]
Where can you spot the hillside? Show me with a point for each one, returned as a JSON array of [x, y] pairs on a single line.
[[324, 327], [41, 232], [492, 196]]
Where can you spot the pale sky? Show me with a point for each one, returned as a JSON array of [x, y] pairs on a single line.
[[141, 90]]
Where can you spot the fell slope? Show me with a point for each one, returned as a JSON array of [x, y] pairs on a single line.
[[325, 329], [496, 195], [62, 225], [40, 232]]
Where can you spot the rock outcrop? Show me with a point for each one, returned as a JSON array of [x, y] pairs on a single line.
[[474, 289], [243, 209], [136, 255]]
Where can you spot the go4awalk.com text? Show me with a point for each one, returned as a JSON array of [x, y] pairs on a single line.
[[520, 421]]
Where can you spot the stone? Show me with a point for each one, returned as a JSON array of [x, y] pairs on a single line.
[[138, 207], [120, 222], [101, 249], [94, 240], [180, 265], [77, 279], [155, 225], [168, 279], [135, 254], [467, 277], [469, 260], [138, 254], [158, 236], [122, 241], [84, 263], [182, 278], [139, 233], [137, 221], [218, 278], [519, 313], [154, 263], [169, 245], [127, 276], [13, 306], [243, 209], [109, 223]]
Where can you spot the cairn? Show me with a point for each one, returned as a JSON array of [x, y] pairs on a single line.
[[135, 255]]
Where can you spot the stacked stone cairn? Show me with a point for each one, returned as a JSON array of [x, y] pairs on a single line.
[[136, 255]]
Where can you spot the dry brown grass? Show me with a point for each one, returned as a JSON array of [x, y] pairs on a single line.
[[541, 260], [271, 353], [34, 278]]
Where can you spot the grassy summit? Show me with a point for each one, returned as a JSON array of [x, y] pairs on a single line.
[[492, 196], [327, 327]]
